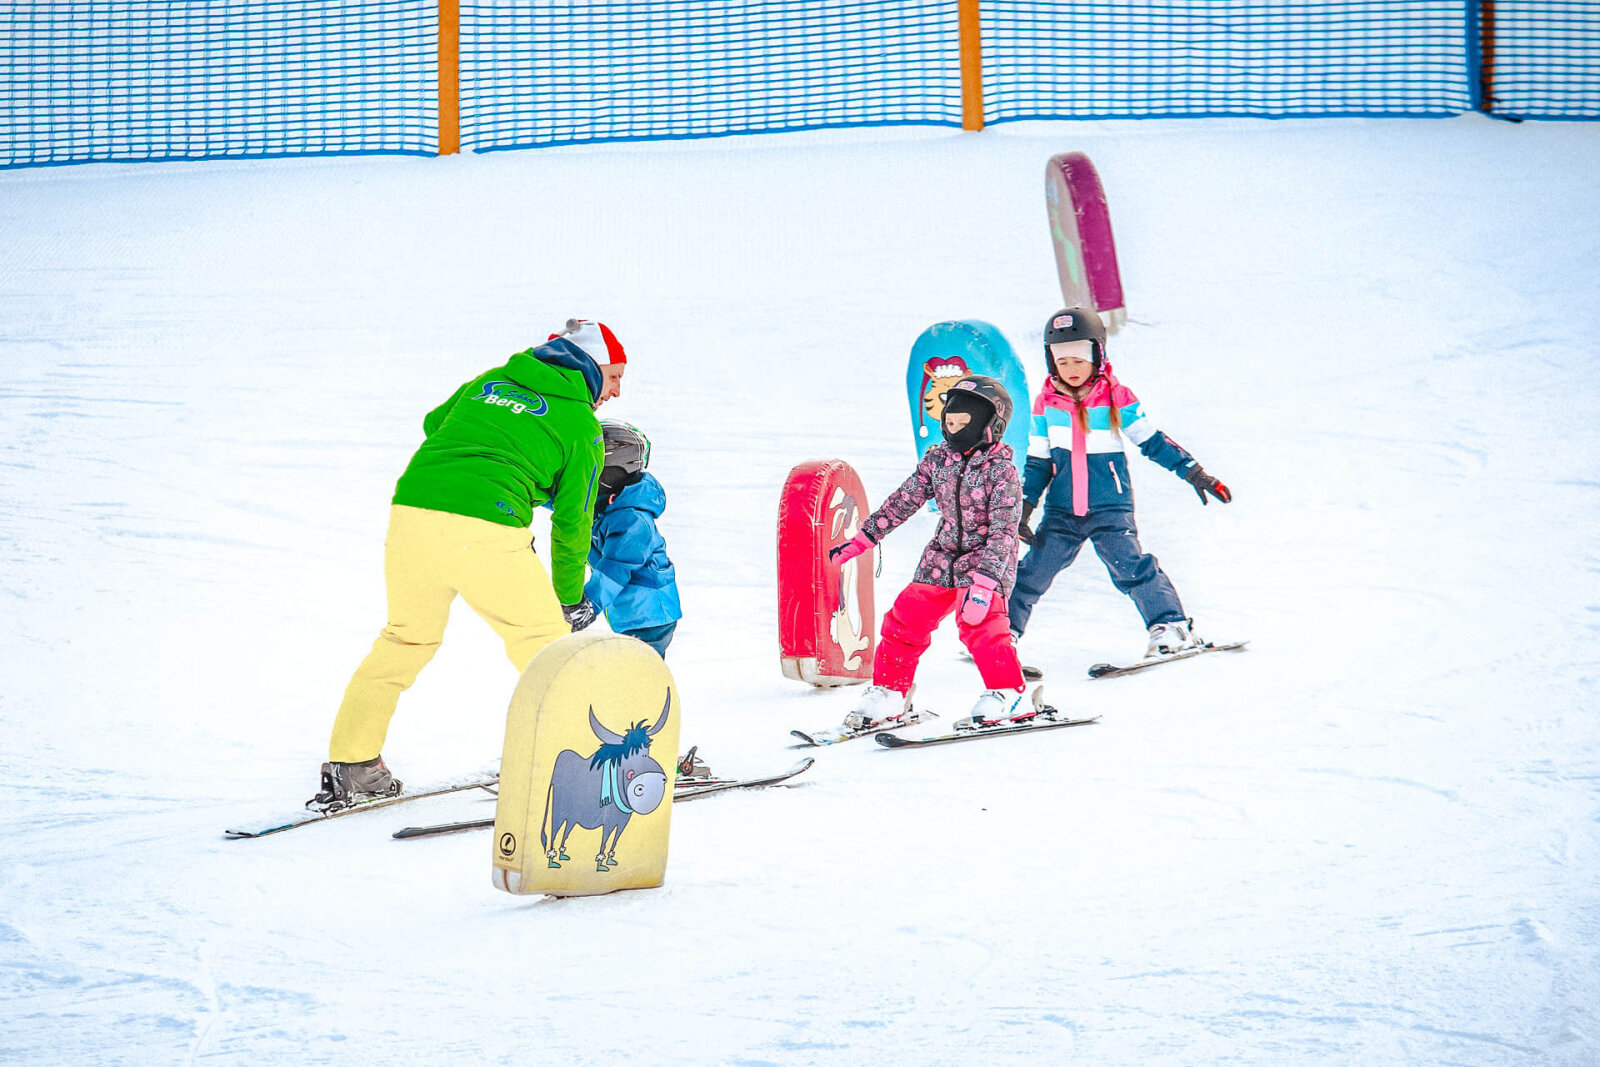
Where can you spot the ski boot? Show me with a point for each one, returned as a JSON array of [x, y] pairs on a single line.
[[1002, 707], [878, 706], [347, 784], [692, 769], [1169, 637]]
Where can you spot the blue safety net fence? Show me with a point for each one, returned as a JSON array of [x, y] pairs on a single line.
[[85, 81], [1116, 59], [541, 73], [1543, 59], [88, 80]]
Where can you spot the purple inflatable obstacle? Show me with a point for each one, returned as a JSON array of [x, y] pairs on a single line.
[[1080, 229]]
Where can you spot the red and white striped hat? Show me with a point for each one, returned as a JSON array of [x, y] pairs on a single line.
[[596, 340]]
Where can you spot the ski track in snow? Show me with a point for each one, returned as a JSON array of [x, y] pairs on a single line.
[[1372, 838]]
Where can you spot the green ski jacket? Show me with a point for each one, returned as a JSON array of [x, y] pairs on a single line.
[[512, 439]]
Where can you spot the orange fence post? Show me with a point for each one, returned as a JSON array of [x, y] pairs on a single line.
[[971, 65], [449, 77]]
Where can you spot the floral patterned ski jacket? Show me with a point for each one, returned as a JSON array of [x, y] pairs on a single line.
[[980, 503]]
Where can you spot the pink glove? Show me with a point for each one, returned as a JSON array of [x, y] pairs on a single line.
[[842, 554], [980, 594]]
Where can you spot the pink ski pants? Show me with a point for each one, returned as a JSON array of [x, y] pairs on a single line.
[[908, 630]]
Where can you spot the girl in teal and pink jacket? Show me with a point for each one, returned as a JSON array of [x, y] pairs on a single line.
[[1076, 462]]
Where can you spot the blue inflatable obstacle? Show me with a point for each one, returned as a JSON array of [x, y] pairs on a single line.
[[949, 351]]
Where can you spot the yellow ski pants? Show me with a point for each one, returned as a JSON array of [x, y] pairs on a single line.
[[429, 558]]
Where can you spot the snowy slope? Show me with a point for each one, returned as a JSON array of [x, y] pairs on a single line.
[[1373, 838]]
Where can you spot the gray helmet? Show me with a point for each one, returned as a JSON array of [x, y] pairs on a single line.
[[626, 446], [1075, 324]]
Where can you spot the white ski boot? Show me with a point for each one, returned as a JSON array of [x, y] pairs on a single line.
[[1001, 707], [878, 705], [1169, 637]]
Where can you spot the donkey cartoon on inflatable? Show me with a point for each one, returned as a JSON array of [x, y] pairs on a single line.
[[605, 790]]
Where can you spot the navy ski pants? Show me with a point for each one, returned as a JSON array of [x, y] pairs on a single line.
[[1134, 571], [657, 637]]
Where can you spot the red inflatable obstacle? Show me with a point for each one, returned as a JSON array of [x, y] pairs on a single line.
[[827, 631], [1080, 230]]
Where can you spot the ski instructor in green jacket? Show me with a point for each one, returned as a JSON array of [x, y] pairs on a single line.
[[508, 441]]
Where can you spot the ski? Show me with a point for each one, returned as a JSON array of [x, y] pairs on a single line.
[[684, 783], [440, 829], [1116, 670], [834, 735], [683, 791], [691, 791], [486, 782], [1033, 724]]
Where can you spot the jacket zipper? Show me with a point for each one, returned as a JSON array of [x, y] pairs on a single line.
[[960, 534], [1112, 464]]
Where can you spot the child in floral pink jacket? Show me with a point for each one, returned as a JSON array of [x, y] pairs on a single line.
[[968, 567]]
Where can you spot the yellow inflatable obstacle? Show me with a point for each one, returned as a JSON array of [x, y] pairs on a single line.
[[584, 805]]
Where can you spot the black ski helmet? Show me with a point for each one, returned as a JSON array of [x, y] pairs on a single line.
[[1075, 324], [983, 392]]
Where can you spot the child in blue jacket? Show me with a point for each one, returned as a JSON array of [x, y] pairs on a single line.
[[1077, 464], [631, 580]]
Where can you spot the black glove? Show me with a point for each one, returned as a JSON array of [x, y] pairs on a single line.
[[579, 615], [1203, 483], [1024, 531]]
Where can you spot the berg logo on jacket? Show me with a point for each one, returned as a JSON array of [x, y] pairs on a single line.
[[511, 395]]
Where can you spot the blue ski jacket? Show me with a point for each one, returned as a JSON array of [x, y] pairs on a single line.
[[631, 579]]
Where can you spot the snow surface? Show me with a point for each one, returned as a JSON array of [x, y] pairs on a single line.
[[1372, 838]]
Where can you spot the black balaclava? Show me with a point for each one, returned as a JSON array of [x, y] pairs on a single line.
[[613, 480], [972, 434]]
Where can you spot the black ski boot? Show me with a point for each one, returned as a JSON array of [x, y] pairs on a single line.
[[347, 784]]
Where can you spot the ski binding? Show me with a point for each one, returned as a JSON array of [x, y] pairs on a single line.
[[486, 782], [1040, 717], [833, 735]]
